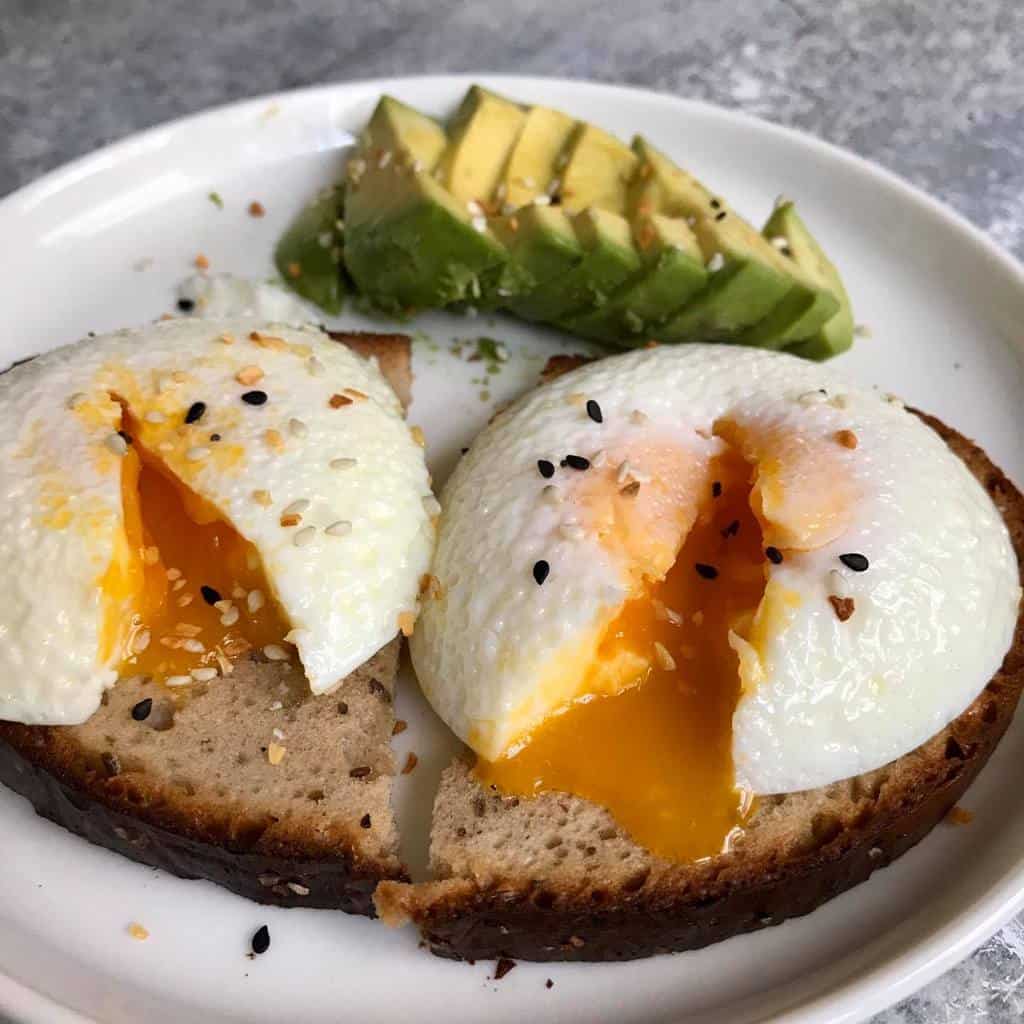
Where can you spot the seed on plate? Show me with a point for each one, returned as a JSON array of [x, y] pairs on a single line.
[[631, 490], [577, 462], [193, 646], [337, 401], [773, 554], [551, 494], [186, 305], [210, 595], [342, 463], [254, 397], [178, 681], [847, 438], [594, 411], [732, 529], [541, 569], [716, 489], [254, 601], [296, 507], [843, 606], [705, 571], [339, 529], [297, 428], [546, 468], [205, 674], [230, 617], [256, 209], [275, 652], [137, 932]]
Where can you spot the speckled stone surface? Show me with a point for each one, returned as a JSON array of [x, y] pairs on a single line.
[[934, 91]]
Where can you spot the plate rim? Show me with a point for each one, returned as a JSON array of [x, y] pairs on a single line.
[[871, 989]]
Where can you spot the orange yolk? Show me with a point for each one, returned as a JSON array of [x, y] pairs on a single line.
[[164, 590], [658, 753]]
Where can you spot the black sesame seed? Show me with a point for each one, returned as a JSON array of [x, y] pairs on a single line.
[[141, 710], [124, 437], [594, 411], [186, 305], [464, 450], [547, 469], [716, 489], [854, 561], [195, 412], [215, 437], [732, 529], [720, 215], [364, 821], [254, 397], [715, 204], [261, 940], [541, 570], [773, 554], [576, 462], [705, 571], [210, 596]]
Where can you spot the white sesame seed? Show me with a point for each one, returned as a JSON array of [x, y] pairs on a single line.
[[838, 585], [474, 208], [178, 680], [274, 652], [197, 454], [223, 605], [639, 475], [623, 473], [75, 400], [179, 583], [716, 262], [296, 508], [315, 367], [637, 417], [154, 416], [204, 675], [173, 574], [431, 505], [572, 531], [809, 398], [185, 600], [342, 463], [230, 617], [298, 888], [339, 529], [116, 444], [297, 428], [598, 459], [664, 659], [141, 641], [479, 224], [293, 636], [551, 494], [304, 536], [779, 242], [238, 593], [276, 706], [254, 601], [193, 646]]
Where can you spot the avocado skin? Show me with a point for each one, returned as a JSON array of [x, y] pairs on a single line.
[[321, 280], [629, 316]]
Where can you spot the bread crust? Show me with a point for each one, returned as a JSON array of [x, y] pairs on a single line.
[[532, 915], [123, 789]]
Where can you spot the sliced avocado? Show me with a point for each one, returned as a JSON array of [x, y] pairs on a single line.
[[309, 254], [609, 258], [673, 271], [481, 136], [531, 165], [597, 170], [748, 276], [541, 240], [408, 242], [836, 334]]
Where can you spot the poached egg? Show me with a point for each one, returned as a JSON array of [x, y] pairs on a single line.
[[678, 579], [182, 494]]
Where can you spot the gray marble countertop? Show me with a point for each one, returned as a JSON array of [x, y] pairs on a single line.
[[933, 91]]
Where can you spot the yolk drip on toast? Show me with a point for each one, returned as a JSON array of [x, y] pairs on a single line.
[[177, 555], [658, 753]]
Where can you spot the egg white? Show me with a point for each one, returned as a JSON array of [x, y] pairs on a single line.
[[822, 699], [60, 485]]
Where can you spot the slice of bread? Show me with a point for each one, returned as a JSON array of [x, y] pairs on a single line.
[[554, 878], [191, 787]]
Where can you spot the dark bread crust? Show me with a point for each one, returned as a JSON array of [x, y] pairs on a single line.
[[122, 786], [533, 915]]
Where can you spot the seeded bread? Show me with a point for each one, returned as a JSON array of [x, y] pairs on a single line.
[[554, 878], [191, 788]]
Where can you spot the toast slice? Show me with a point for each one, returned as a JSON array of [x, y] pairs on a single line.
[[191, 788], [554, 878]]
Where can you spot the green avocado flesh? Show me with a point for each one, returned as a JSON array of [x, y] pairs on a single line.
[[309, 254], [555, 220]]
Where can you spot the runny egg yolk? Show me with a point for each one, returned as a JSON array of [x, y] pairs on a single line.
[[658, 753], [185, 590]]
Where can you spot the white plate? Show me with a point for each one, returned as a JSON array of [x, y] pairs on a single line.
[[945, 308]]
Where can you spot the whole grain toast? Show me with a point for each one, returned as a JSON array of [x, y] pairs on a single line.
[[554, 877], [191, 787]]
